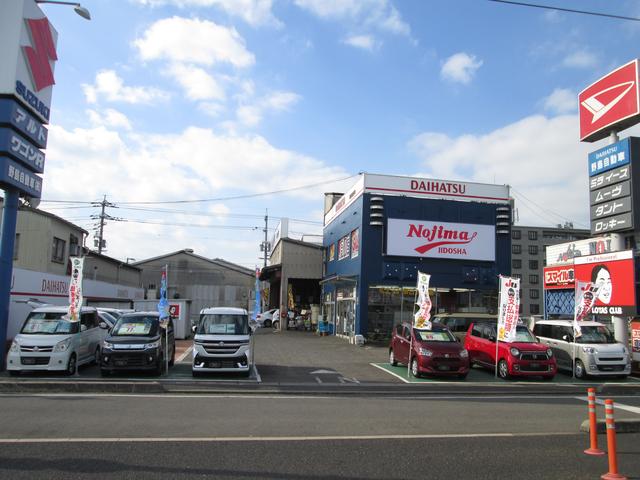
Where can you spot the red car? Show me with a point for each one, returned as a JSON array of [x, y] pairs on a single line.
[[435, 352], [525, 357]]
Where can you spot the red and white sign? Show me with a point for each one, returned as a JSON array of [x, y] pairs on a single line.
[[614, 273], [559, 277], [460, 241], [28, 53], [635, 339], [611, 103], [509, 308]]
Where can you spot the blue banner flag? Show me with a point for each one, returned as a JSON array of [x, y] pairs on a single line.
[[256, 307]]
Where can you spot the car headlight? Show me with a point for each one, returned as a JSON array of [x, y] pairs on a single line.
[[62, 346], [514, 351], [589, 350], [15, 347], [155, 344], [425, 351], [464, 353], [107, 346], [549, 353]]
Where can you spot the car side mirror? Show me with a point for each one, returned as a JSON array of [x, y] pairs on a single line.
[[194, 328], [566, 338], [103, 325]]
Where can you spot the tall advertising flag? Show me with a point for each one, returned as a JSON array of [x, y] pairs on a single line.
[[163, 304], [422, 318], [256, 307], [75, 288], [509, 308], [585, 298]]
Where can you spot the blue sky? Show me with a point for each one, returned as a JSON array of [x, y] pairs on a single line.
[[161, 100]]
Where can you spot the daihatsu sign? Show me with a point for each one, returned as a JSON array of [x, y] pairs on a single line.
[[611, 103], [27, 55]]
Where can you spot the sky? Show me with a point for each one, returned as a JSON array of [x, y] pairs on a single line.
[[213, 104]]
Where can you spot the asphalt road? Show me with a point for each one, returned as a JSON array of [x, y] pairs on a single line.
[[285, 437]]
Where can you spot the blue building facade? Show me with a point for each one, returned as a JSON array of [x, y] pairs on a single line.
[[386, 229]]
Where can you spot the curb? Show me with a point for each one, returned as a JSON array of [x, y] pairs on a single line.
[[622, 426]]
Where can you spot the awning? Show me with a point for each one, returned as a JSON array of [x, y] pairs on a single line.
[[339, 278], [268, 273]]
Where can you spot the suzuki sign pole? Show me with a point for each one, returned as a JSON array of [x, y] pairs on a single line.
[[27, 58]]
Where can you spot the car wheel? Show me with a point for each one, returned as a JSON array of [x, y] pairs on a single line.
[[414, 368], [14, 373], [503, 369], [276, 324], [392, 358], [96, 356], [579, 370], [267, 323], [71, 365]]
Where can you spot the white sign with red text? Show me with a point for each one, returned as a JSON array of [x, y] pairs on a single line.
[[509, 308], [458, 241]]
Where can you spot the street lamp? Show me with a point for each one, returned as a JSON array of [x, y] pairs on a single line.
[[80, 10]]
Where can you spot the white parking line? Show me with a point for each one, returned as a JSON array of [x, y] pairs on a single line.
[[185, 354], [390, 373], [284, 439], [617, 406]]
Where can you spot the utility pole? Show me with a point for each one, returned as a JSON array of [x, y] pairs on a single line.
[[103, 217], [104, 204], [266, 243]]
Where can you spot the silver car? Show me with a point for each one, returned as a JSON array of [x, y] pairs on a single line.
[[596, 351]]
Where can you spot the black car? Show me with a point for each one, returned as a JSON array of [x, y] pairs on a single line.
[[138, 342]]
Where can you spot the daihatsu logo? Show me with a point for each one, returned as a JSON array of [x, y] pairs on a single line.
[[597, 108]]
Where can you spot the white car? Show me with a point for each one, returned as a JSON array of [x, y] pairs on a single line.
[[266, 319], [48, 341]]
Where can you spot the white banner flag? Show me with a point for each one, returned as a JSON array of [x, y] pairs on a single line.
[[509, 308], [585, 297], [75, 288], [422, 318]]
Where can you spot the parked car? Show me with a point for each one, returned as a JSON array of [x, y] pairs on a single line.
[[434, 352], [458, 323], [138, 342], [265, 319], [107, 318], [596, 351], [115, 312], [49, 341], [524, 357], [222, 341]]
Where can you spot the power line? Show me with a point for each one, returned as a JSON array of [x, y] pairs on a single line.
[[570, 10], [525, 199]]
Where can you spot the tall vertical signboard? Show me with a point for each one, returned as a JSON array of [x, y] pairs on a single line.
[[27, 58]]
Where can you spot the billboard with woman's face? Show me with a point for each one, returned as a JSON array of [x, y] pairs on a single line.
[[615, 276]]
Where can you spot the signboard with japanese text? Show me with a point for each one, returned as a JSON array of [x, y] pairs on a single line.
[[17, 176], [15, 115], [610, 103], [612, 224], [355, 243], [609, 157], [343, 247], [21, 149], [422, 318], [608, 209], [75, 288], [635, 339], [614, 274], [418, 238], [508, 308], [559, 277], [610, 177], [611, 192], [332, 252], [566, 252]]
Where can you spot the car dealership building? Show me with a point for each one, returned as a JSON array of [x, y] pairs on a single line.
[[385, 229]]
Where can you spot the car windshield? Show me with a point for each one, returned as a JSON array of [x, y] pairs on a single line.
[[138, 325], [434, 336], [523, 335], [223, 324], [49, 323], [595, 334]]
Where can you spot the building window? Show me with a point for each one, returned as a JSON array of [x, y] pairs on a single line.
[[516, 263], [16, 247], [533, 249], [516, 235], [533, 279], [534, 293], [57, 253], [534, 309], [516, 275], [74, 248], [533, 264], [533, 235], [516, 248]]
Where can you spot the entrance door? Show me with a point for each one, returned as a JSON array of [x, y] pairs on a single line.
[[346, 317]]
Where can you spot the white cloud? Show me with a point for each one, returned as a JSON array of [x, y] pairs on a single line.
[[561, 101], [379, 14], [109, 118], [460, 67], [540, 157], [254, 12], [580, 59], [365, 42], [111, 87], [251, 114], [193, 41], [212, 109], [196, 82]]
